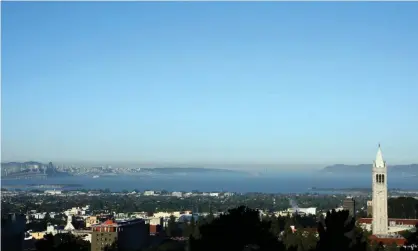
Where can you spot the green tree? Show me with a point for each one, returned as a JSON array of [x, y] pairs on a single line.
[[412, 239], [290, 239], [171, 226], [196, 233], [338, 232], [210, 217], [239, 229], [192, 226], [47, 217], [275, 225], [62, 242], [113, 247], [392, 247], [189, 227], [403, 207], [378, 247]]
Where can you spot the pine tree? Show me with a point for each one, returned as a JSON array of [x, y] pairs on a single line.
[[192, 226], [290, 239], [392, 247], [210, 216], [171, 226]]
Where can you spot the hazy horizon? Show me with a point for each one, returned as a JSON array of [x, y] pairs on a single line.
[[210, 83], [231, 166]]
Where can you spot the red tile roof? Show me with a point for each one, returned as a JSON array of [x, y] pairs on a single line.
[[412, 222], [388, 240], [108, 222]]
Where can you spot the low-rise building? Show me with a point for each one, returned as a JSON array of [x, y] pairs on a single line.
[[54, 229], [38, 235], [167, 214], [52, 192], [149, 193], [300, 211], [39, 216], [154, 220], [388, 240], [395, 225], [91, 220], [177, 194]]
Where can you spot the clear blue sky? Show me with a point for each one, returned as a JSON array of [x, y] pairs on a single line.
[[318, 83]]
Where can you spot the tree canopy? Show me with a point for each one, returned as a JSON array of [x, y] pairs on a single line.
[[239, 229]]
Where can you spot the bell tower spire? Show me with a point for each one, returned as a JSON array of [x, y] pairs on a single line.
[[379, 162]]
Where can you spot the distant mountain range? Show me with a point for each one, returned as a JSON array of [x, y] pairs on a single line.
[[411, 169], [19, 164]]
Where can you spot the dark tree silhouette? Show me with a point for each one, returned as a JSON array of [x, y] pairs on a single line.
[[62, 242], [392, 247], [338, 231], [167, 245], [172, 227], [378, 247], [239, 229], [113, 247], [412, 239], [46, 244]]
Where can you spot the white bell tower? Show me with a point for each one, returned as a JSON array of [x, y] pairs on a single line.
[[380, 196], [69, 226]]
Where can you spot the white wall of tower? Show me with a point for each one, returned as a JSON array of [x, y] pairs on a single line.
[[380, 196]]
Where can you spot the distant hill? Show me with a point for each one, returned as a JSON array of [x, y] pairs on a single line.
[[411, 169], [36, 169], [20, 164]]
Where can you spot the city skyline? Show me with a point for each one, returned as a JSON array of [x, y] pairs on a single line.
[[256, 83]]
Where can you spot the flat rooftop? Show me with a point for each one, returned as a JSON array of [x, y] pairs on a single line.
[[118, 223]]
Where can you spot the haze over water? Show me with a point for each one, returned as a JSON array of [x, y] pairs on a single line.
[[272, 183]]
